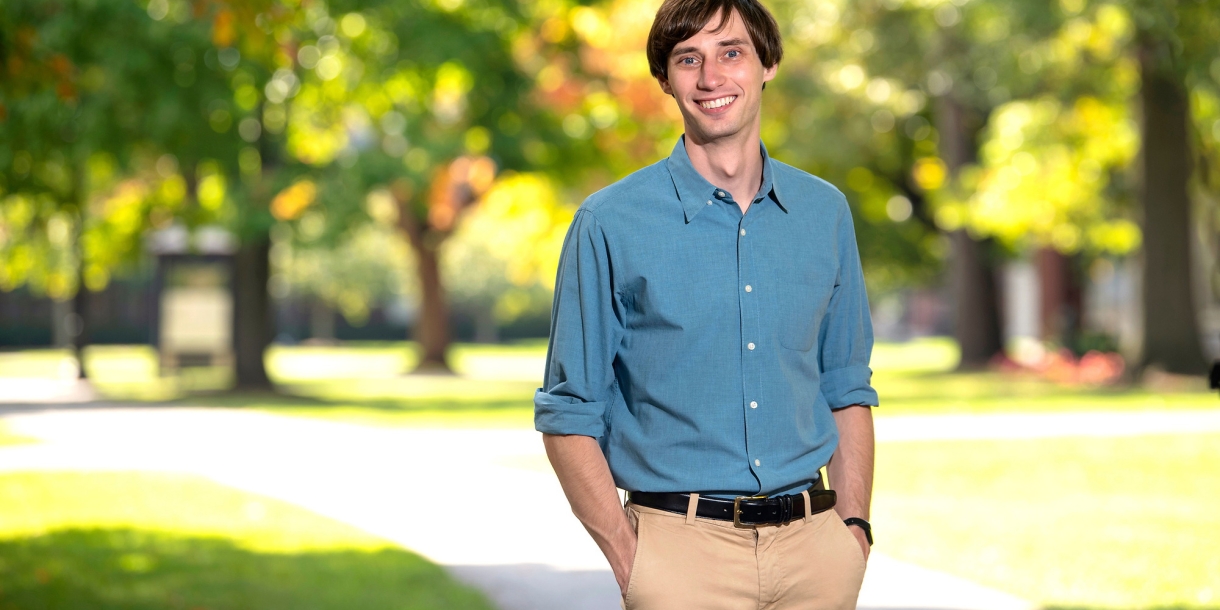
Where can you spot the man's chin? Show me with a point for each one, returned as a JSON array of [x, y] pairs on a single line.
[[710, 133]]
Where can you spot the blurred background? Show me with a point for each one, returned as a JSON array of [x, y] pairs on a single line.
[[224, 224]]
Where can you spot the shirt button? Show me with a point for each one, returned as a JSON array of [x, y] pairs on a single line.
[[709, 202], [757, 462], [749, 288], [750, 345], [753, 404], [720, 193], [743, 231]]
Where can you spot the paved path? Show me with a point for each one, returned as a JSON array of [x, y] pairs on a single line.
[[540, 559]]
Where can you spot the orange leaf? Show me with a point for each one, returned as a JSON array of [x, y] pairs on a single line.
[[292, 201], [65, 90], [223, 33]]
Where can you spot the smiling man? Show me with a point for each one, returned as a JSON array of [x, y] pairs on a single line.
[[709, 351]]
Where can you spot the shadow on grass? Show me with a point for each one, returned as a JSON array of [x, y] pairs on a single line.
[[137, 569]]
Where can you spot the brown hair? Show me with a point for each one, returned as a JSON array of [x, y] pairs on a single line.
[[678, 20]]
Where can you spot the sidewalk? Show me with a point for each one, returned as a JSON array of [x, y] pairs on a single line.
[[526, 558]]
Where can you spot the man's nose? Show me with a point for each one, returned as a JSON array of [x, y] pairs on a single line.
[[710, 76]]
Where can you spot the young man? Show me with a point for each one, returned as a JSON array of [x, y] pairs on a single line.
[[710, 343]]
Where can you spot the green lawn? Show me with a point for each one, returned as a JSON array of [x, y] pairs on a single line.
[[154, 541], [1081, 522]]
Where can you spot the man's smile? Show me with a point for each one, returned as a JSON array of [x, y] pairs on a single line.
[[718, 103]]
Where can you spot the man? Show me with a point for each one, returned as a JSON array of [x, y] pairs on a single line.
[[710, 342]]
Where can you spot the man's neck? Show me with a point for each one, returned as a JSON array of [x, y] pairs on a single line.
[[733, 164]]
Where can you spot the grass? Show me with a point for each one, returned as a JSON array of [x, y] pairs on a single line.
[[144, 541], [1083, 522], [364, 382]]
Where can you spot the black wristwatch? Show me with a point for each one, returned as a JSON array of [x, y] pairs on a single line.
[[868, 529]]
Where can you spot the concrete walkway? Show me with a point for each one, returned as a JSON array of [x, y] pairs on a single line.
[[392, 482]]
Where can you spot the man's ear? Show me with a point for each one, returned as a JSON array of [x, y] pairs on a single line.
[[664, 82], [769, 73]]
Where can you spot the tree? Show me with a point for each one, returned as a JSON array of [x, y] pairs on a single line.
[[1175, 46], [148, 129], [77, 181], [422, 102]]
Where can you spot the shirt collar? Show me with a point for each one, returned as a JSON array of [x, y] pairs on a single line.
[[694, 191]]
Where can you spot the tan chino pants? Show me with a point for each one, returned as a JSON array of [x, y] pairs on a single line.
[[685, 562]]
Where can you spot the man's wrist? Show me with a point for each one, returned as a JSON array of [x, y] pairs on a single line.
[[862, 524]]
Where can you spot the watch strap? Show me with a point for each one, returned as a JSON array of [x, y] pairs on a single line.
[[868, 529]]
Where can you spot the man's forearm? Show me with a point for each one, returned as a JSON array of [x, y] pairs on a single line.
[[851, 466], [582, 470]]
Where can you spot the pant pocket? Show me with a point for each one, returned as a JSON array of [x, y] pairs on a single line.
[[853, 550], [637, 519]]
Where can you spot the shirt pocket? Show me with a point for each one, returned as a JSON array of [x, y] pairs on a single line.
[[800, 307]]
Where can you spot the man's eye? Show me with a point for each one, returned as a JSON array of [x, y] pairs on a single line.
[[733, 54], [688, 61]]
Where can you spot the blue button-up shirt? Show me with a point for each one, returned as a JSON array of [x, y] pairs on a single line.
[[705, 348]]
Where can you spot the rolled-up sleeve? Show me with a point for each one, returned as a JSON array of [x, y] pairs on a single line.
[[586, 329], [846, 337]]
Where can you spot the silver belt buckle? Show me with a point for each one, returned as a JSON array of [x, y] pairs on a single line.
[[737, 509]]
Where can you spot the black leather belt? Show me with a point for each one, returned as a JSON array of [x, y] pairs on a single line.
[[742, 510]]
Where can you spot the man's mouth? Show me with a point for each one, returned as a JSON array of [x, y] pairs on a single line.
[[718, 102]]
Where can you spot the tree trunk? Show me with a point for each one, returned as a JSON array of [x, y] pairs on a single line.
[[975, 301], [1171, 336], [975, 298], [252, 321], [432, 327], [1060, 300]]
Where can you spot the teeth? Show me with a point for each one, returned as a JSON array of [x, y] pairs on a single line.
[[718, 102]]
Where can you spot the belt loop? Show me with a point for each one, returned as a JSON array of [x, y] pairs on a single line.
[[808, 505], [691, 508]]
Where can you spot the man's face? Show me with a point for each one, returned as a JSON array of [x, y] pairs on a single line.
[[717, 80]]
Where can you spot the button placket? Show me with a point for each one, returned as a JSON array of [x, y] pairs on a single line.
[[750, 308]]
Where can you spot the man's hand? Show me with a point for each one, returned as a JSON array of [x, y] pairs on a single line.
[[585, 477]]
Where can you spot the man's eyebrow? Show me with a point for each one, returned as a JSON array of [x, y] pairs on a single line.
[[731, 42]]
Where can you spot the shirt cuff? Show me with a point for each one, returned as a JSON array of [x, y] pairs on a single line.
[[568, 415], [848, 386]]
